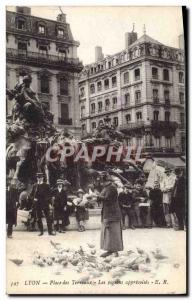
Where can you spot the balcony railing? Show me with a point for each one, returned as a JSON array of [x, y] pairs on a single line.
[[63, 121], [156, 100], [135, 125], [40, 57]]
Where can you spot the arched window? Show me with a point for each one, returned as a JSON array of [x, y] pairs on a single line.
[[63, 86], [41, 29], [139, 115], [137, 97], [62, 53], [107, 103], [92, 88], [154, 73], [137, 74], [126, 77], [114, 81], [155, 115], [181, 98], [99, 86], [60, 32], [128, 118], [114, 102], [166, 74], [116, 121], [44, 84], [100, 106], [127, 99], [93, 125], [106, 83], [167, 116], [21, 23], [92, 108], [181, 77]]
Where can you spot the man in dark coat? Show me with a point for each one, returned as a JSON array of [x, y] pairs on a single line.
[[111, 231], [141, 205], [61, 216], [42, 201], [156, 198], [178, 198], [126, 204], [11, 207]]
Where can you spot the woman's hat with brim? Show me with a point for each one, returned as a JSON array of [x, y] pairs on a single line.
[[80, 191]]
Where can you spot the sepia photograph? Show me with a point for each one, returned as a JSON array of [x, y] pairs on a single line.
[[96, 137]]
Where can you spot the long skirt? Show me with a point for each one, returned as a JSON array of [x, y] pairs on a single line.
[[111, 236]]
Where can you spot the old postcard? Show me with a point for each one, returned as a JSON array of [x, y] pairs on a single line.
[[96, 150]]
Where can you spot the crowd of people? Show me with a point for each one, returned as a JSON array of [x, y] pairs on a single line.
[[135, 205]]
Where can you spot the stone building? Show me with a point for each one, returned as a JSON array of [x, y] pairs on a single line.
[[142, 91], [45, 49]]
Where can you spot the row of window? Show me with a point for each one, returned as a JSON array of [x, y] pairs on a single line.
[[106, 84], [107, 105], [139, 118], [155, 75], [43, 49], [21, 24]]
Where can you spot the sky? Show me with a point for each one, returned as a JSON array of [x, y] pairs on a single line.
[[106, 26]]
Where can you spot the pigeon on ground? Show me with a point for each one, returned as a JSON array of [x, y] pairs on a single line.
[[55, 245], [16, 261], [159, 256], [140, 251], [91, 245]]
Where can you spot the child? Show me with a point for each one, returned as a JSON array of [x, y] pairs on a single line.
[[80, 210], [126, 204], [156, 197]]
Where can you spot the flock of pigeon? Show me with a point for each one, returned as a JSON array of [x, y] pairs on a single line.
[[90, 265]]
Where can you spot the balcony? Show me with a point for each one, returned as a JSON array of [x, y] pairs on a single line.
[[132, 126], [156, 100], [42, 59], [164, 125], [63, 121]]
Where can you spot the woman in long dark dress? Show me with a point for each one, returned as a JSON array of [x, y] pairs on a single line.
[[111, 231]]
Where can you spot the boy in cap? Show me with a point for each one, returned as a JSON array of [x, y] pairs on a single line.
[[156, 198], [126, 204], [41, 196]]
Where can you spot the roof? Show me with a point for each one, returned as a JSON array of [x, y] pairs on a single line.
[[145, 39]]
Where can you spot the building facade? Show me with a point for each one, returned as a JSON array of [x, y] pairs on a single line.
[[141, 90], [46, 50]]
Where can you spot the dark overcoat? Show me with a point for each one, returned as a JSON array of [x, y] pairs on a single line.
[[11, 208], [59, 203], [43, 195], [110, 205]]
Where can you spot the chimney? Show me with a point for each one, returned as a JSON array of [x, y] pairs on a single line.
[[98, 53], [61, 18], [23, 10], [130, 38], [181, 41]]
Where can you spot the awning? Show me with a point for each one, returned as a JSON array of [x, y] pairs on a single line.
[[174, 161]]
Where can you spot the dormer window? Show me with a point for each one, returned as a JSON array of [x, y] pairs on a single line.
[[60, 32], [41, 29], [21, 24]]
